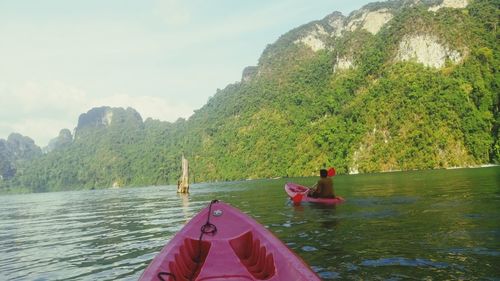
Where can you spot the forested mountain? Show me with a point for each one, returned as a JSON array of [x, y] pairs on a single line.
[[14, 151], [397, 85]]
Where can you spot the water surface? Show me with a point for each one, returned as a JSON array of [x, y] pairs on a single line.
[[441, 224]]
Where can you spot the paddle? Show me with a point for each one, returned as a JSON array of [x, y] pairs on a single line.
[[331, 172], [297, 198]]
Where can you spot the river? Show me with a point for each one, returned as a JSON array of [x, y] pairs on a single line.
[[439, 224]]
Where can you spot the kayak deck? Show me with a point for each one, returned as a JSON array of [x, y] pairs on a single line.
[[236, 248]]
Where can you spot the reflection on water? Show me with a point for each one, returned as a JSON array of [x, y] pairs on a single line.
[[414, 225], [185, 206]]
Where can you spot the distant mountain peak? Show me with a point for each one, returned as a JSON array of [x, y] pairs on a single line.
[[95, 117], [62, 140], [105, 116]]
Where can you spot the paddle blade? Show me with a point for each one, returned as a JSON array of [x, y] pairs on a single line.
[[297, 198], [331, 172]]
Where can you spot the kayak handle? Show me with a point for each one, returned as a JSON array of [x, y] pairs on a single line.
[[165, 273]]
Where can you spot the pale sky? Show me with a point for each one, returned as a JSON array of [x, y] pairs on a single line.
[[165, 58]]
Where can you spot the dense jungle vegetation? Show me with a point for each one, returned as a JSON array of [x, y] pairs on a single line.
[[298, 113]]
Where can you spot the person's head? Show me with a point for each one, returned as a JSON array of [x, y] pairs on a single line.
[[323, 173]]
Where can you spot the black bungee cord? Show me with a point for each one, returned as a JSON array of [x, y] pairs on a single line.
[[207, 228]]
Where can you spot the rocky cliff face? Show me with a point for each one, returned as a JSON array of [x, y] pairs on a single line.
[[314, 39], [342, 63], [371, 21], [316, 35], [427, 50], [455, 4]]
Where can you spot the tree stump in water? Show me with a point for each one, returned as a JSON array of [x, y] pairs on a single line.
[[183, 183]]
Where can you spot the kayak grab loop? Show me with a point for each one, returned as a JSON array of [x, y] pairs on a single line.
[[207, 228], [160, 275]]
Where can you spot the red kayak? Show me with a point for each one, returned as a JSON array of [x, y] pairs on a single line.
[[298, 193], [222, 243]]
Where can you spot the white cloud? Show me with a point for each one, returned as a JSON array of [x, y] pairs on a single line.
[[41, 130], [39, 109], [49, 96], [227, 27], [173, 12]]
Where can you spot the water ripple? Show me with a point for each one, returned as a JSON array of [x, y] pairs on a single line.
[[114, 234], [404, 262]]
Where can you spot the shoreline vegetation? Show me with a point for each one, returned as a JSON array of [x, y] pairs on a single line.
[[28, 191], [447, 168]]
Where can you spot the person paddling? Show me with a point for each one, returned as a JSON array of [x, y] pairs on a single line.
[[324, 186]]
